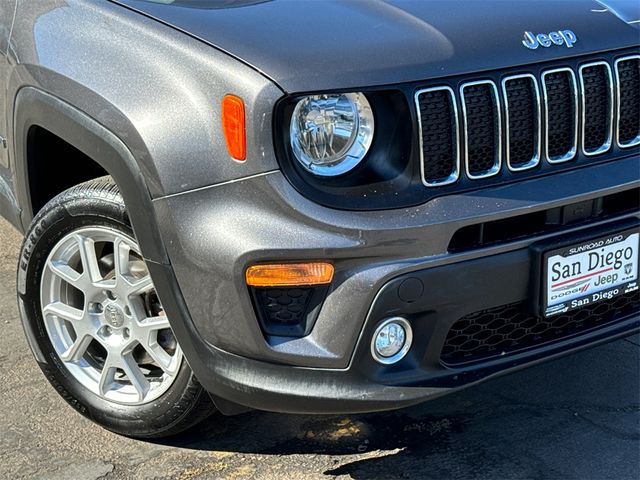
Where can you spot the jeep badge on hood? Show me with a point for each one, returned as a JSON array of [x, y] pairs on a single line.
[[561, 37]]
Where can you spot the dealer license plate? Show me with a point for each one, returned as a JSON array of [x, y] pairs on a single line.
[[592, 271]]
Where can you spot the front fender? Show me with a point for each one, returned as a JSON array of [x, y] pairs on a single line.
[[35, 107], [157, 89]]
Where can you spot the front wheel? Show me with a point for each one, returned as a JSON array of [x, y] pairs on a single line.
[[95, 323]]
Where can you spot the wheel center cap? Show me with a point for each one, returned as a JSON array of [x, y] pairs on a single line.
[[114, 316]]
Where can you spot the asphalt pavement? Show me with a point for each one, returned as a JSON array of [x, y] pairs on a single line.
[[573, 418]]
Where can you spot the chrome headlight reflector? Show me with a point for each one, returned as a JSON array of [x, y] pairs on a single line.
[[331, 134]]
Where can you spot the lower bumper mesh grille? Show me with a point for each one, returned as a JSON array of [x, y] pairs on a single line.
[[287, 311], [492, 333]]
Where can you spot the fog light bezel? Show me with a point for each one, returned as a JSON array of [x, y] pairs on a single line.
[[408, 340]]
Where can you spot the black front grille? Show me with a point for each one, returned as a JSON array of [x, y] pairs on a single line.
[[439, 136], [522, 107], [628, 73], [572, 113], [561, 107], [482, 128], [509, 328], [597, 106]]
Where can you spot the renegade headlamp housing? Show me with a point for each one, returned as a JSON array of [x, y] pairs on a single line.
[[330, 134]]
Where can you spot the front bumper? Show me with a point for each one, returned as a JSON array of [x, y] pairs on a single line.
[[213, 234]]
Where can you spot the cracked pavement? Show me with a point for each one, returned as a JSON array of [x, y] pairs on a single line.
[[573, 418]]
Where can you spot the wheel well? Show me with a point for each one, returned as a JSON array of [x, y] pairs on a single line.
[[55, 165]]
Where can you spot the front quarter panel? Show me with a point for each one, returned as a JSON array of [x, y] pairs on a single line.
[[156, 89]]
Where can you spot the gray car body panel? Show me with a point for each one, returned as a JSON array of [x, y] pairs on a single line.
[[323, 45], [8, 203], [367, 248], [116, 71]]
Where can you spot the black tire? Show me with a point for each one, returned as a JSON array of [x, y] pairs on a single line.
[[97, 203]]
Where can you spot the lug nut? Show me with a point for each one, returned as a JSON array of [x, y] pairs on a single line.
[[96, 307]]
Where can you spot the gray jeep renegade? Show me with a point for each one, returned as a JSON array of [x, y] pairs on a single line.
[[315, 206]]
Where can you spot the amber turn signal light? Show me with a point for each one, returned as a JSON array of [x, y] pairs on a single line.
[[234, 127], [289, 274]]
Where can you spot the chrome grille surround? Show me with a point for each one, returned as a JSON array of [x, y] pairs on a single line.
[[609, 139], [571, 153], [497, 165], [455, 174], [618, 82], [589, 115], [535, 159]]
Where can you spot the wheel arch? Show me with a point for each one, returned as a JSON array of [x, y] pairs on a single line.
[[36, 108]]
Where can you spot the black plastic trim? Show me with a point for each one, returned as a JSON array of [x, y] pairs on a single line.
[[34, 107]]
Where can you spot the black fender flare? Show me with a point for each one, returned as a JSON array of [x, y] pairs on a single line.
[[34, 107]]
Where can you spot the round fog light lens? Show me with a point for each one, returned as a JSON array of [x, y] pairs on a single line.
[[391, 340]]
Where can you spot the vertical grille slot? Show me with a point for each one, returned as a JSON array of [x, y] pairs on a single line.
[[522, 121], [596, 86], [628, 84], [439, 136], [482, 129], [561, 114]]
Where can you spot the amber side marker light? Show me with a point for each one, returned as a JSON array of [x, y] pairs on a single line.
[[234, 127], [289, 274]]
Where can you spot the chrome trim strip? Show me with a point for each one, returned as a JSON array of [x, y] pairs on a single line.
[[635, 141], [455, 174], [572, 152], [535, 160], [498, 163], [608, 142]]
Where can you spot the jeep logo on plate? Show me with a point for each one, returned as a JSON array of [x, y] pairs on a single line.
[[561, 37]]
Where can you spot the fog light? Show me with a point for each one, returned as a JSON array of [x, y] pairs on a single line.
[[391, 340]]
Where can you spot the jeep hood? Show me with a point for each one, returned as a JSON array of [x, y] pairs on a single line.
[[318, 45]]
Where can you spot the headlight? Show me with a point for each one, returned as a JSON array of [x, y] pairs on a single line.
[[331, 134]]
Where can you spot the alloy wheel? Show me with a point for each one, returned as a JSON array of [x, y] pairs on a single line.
[[104, 318]]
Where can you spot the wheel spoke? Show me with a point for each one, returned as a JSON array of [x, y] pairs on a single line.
[[77, 350], [138, 286], [135, 376], [161, 357], [108, 376], [65, 272], [121, 258], [64, 311], [152, 324], [147, 332], [105, 284], [89, 259]]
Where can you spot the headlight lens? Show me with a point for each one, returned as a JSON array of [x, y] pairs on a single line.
[[331, 134]]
